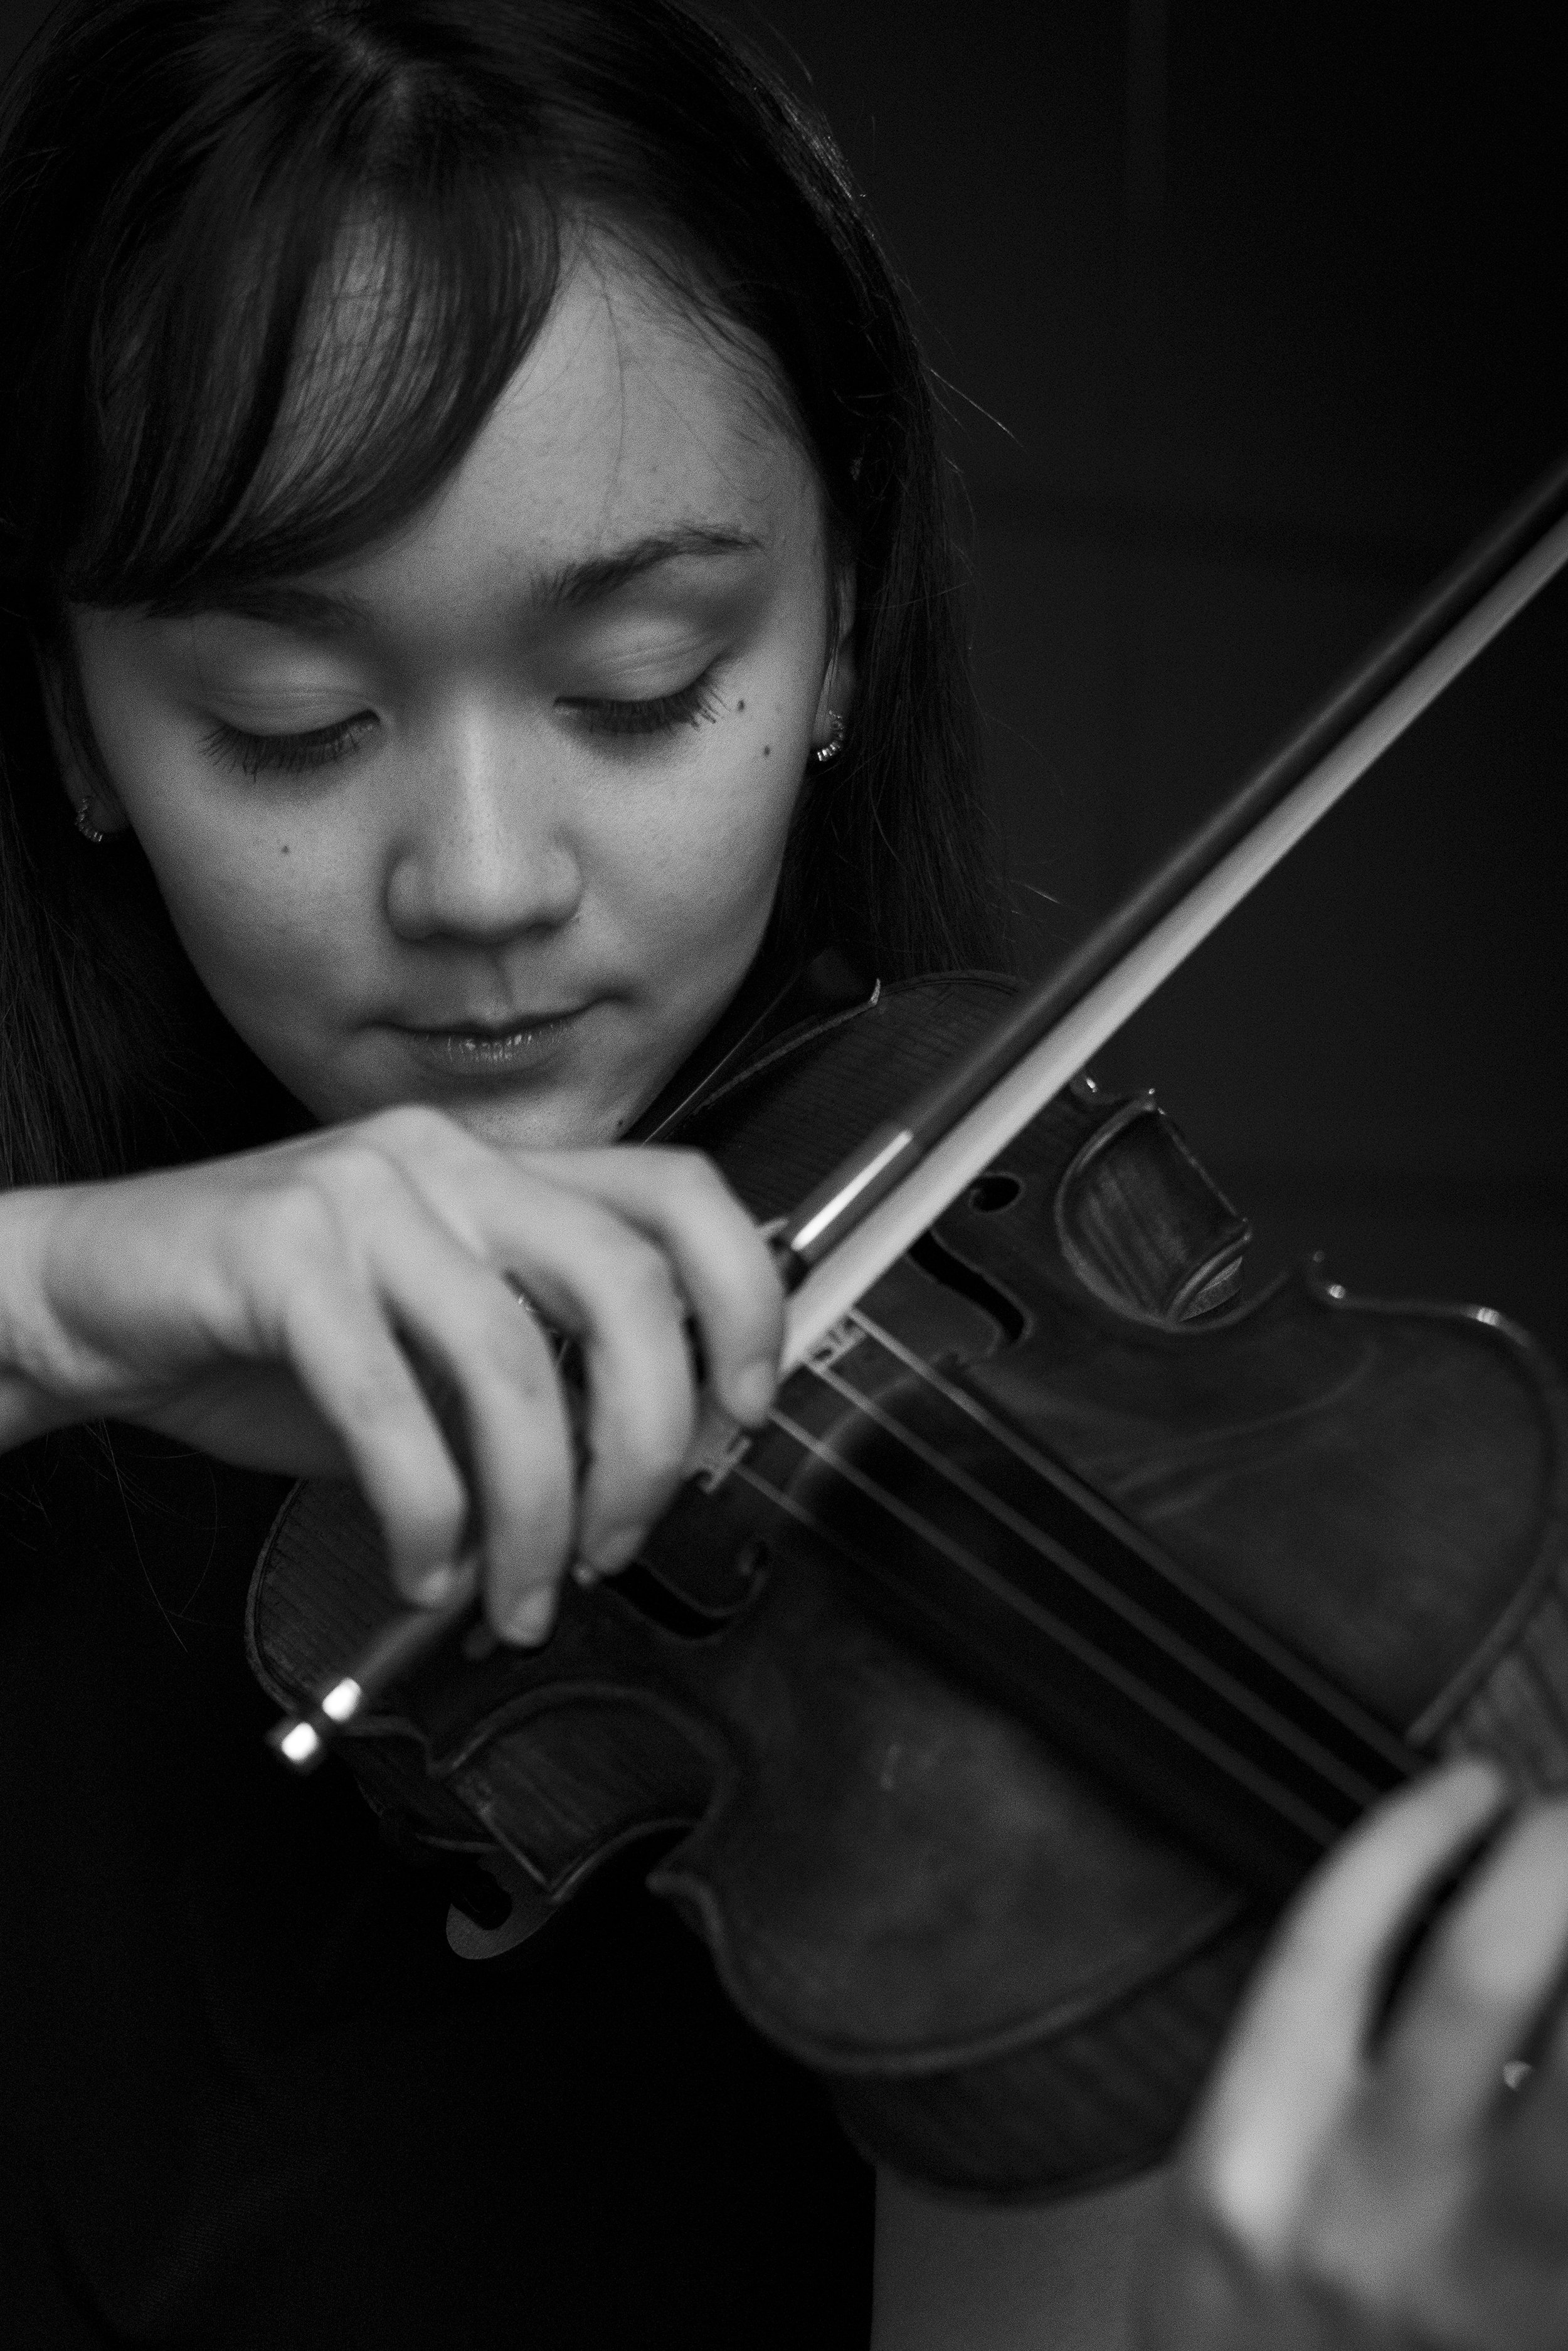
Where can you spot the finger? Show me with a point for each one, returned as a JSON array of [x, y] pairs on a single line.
[[432, 1294], [641, 1407], [596, 1277], [1324, 1978], [515, 1427], [346, 1360], [679, 1201], [1483, 1982], [1296, 2054], [597, 1274]]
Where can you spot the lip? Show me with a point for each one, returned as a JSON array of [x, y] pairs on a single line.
[[493, 1050]]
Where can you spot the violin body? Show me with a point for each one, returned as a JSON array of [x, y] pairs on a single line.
[[928, 1859]]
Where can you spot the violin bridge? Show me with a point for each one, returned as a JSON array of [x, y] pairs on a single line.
[[721, 1444]]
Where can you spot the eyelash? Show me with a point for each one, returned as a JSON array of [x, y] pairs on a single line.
[[287, 755], [687, 706], [323, 746]]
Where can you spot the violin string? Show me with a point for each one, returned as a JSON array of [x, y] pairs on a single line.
[[1170, 1649], [1181, 1651], [1081, 1496], [1147, 1699], [865, 1214], [1219, 1442], [1346, 1716]]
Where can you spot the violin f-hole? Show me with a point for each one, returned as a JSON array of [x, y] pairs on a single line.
[[955, 1273]]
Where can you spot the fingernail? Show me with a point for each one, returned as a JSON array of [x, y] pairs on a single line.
[[752, 1390], [613, 1549], [531, 1619]]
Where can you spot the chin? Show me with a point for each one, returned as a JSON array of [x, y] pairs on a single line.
[[539, 1124]]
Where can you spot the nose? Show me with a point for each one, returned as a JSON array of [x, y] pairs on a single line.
[[487, 849]]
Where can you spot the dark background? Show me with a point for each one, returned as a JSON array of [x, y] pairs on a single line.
[[1248, 318]]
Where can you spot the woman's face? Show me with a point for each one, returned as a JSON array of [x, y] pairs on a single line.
[[492, 817]]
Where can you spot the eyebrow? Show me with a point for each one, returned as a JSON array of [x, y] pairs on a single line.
[[572, 585], [568, 587]]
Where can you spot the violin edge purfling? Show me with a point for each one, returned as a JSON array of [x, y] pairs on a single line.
[[928, 2092], [1092, 2081]]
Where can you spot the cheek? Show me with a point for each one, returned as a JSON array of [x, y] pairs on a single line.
[[263, 911], [705, 871], [751, 778], [266, 923]]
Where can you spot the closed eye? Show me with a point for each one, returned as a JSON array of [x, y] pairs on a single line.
[[657, 715], [323, 746], [288, 754]]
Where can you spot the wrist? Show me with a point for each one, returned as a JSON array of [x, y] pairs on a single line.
[[28, 1406]]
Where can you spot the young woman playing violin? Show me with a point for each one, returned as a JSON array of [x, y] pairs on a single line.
[[475, 599]]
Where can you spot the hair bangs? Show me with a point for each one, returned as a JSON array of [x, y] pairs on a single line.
[[266, 267], [293, 367]]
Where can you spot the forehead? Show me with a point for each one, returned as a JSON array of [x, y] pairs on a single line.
[[629, 420]]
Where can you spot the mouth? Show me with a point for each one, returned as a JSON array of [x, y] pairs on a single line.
[[484, 1049]]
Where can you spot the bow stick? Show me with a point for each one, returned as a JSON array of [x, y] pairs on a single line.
[[895, 1184], [898, 1181]]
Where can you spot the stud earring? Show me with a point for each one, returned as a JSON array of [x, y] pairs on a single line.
[[827, 752], [85, 825]]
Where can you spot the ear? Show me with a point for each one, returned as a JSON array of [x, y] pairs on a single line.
[[92, 798], [836, 699]]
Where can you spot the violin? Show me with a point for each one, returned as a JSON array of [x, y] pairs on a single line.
[[988, 1702]]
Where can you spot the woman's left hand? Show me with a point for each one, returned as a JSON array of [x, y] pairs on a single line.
[[1340, 2190]]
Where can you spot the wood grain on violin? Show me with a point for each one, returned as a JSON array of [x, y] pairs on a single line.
[[967, 1911]]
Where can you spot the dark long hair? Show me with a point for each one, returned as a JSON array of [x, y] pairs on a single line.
[[177, 176]]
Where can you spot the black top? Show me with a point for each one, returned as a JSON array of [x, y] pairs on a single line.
[[249, 2096]]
